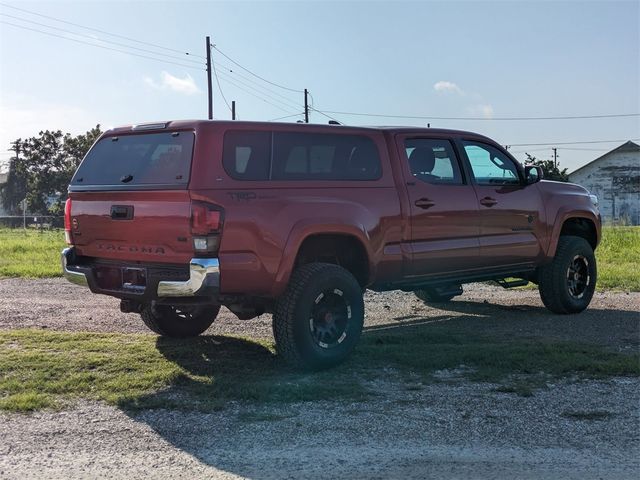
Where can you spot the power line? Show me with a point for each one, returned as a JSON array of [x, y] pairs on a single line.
[[213, 65], [99, 46], [287, 116], [225, 76], [233, 82], [255, 74], [287, 103], [569, 143], [585, 149], [259, 85], [102, 40], [101, 31], [322, 113], [424, 117]]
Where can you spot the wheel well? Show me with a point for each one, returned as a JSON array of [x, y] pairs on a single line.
[[581, 227], [344, 250]]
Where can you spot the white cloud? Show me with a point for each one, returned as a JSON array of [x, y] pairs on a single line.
[[444, 86], [186, 85], [484, 109]]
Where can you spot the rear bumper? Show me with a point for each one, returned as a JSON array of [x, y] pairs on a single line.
[[204, 279]]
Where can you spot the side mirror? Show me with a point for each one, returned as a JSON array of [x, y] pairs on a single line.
[[533, 174]]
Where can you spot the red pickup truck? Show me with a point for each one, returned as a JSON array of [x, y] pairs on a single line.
[[180, 218]]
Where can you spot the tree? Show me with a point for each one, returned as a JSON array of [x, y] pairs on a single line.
[[549, 167], [14, 190], [44, 169]]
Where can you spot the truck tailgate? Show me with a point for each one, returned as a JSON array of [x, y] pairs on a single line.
[[134, 226]]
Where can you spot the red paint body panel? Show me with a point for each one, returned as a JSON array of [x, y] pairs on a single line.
[[266, 222]]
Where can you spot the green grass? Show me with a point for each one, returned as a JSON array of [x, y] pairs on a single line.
[[618, 258], [30, 254], [36, 254], [50, 369]]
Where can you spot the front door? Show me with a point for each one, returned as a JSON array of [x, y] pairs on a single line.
[[443, 208], [511, 227]]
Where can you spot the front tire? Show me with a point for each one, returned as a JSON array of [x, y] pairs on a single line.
[[178, 322], [318, 320], [567, 284]]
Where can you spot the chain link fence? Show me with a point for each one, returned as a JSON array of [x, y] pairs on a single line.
[[31, 221]]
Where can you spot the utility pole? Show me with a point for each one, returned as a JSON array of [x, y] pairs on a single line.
[[209, 86], [306, 106], [233, 109], [555, 157], [16, 148]]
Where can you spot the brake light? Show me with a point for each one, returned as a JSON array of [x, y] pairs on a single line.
[[204, 219], [206, 224], [67, 222]]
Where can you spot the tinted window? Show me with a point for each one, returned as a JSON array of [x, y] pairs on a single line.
[[147, 159], [246, 155], [490, 166], [300, 156], [312, 156], [433, 161]]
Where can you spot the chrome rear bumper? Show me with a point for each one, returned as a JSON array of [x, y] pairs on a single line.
[[203, 272], [79, 278], [204, 277]]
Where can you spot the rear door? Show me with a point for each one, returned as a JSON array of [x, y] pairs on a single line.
[[443, 207], [129, 198], [511, 229]]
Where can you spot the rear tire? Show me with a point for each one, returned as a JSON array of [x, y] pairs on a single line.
[[567, 284], [318, 320], [178, 322]]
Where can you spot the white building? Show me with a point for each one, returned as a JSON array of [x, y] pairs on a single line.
[[615, 179]]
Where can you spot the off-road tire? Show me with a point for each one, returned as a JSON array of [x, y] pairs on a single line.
[[178, 322], [293, 319], [554, 278], [429, 295]]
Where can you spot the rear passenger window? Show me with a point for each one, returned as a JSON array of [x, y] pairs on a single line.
[[433, 161], [315, 156], [247, 155], [300, 156]]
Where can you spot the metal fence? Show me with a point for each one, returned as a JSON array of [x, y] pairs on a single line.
[[41, 222]]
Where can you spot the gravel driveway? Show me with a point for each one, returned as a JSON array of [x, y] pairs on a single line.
[[452, 429]]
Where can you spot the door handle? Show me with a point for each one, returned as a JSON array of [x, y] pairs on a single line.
[[488, 201], [121, 212], [424, 203]]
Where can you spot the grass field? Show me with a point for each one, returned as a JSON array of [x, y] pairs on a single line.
[[618, 257], [50, 369], [36, 254], [31, 254]]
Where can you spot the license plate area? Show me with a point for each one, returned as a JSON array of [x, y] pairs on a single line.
[[130, 279]]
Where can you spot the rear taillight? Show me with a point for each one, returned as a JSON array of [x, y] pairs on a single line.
[[206, 227], [67, 222]]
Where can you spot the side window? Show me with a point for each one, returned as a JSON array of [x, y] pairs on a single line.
[[490, 166], [433, 161], [319, 156], [247, 155]]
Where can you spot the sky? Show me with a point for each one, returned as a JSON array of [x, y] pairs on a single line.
[[476, 61]]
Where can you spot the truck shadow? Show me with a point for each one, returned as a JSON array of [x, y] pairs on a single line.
[[235, 392], [612, 328]]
